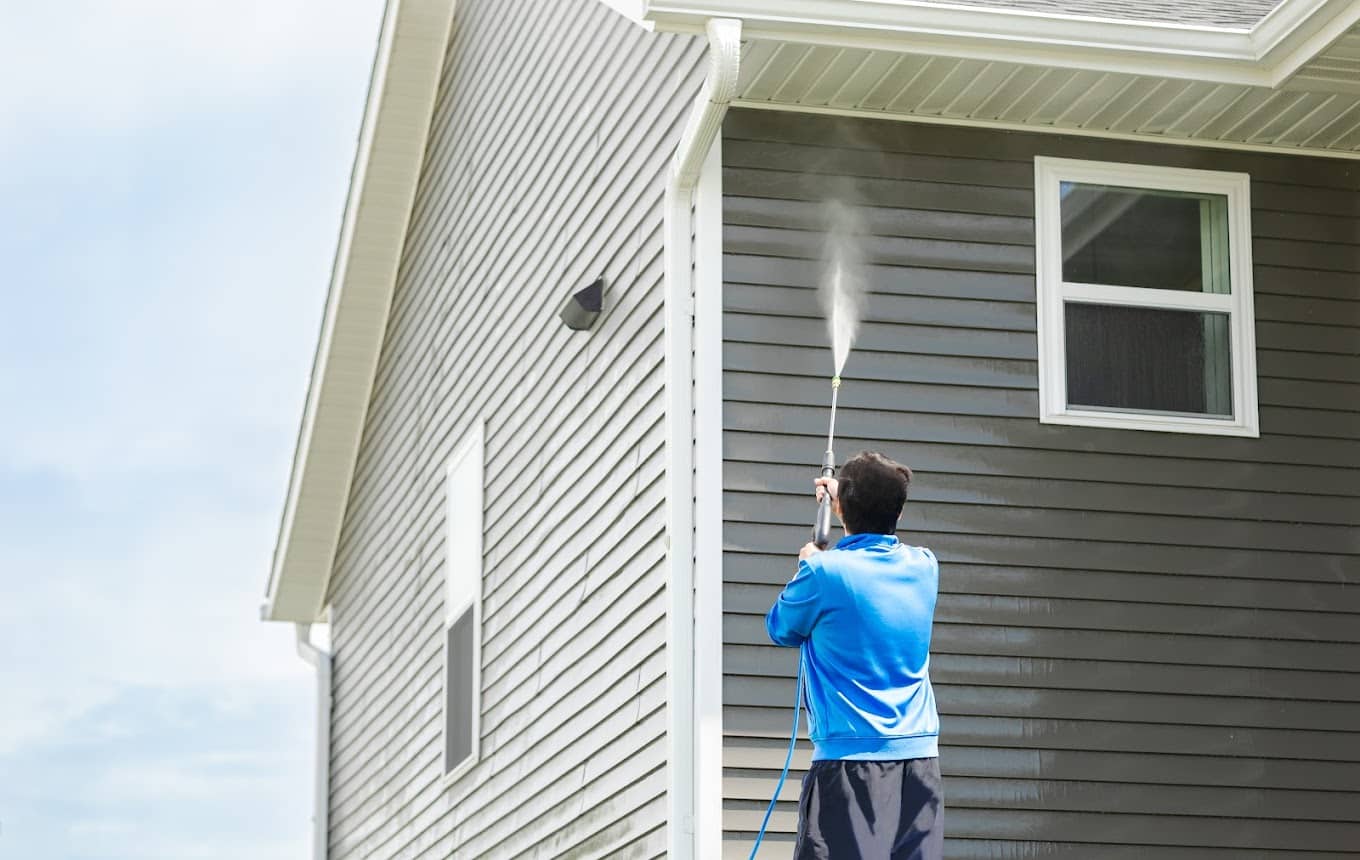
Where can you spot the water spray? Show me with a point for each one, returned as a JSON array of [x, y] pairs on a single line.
[[842, 296]]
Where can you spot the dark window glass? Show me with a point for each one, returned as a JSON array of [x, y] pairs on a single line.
[[458, 692], [1132, 358], [1131, 237]]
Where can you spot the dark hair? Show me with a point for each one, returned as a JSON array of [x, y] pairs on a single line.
[[872, 491]]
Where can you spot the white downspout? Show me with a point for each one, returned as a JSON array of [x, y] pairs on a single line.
[[701, 129], [320, 660]]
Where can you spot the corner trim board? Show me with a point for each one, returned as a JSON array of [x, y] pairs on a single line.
[[708, 503], [685, 739]]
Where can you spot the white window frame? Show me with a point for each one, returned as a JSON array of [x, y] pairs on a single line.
[[1053, 291], [463, 534]]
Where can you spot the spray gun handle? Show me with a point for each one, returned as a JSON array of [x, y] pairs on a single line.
[[821, 529]]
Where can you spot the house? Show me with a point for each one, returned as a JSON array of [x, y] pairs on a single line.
[[1114, 255]]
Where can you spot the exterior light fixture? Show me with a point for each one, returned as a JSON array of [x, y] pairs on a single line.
[[583, 307]]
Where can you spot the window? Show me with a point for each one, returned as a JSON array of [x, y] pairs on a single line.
[[463, 606], [1145, 303]]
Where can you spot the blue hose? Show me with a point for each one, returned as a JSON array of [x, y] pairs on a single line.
[[788, 759]]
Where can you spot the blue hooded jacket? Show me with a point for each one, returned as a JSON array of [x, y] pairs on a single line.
[[862, 612]]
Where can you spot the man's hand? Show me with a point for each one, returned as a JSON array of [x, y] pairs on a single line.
[[809, 549], [827, 485]]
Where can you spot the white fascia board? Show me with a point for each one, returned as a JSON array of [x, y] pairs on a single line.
[[391, 150], [633, 10], [1266, 55]]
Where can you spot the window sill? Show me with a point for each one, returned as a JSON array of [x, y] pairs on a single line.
[[1155, 423], [460, 771]]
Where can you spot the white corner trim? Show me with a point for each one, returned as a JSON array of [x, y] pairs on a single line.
[[390, 151], [679, 528], [1052, 291], [1265, 55], [682, 732], [708, 504]]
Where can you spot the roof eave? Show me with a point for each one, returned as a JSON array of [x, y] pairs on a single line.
[[1264, 55], [391, 151]]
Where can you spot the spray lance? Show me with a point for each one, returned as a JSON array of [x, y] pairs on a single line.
[[821, 529]]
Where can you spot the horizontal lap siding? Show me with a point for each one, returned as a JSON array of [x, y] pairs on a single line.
[[546, 167], [1146, 644]]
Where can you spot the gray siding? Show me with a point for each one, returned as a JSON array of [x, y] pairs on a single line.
[[1142, 639], [549, 148]]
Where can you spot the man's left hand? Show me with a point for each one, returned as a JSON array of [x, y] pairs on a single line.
[[809, 549]]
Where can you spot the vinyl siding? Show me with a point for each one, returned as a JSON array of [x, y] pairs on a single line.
[[1146, 644], [546, 166]]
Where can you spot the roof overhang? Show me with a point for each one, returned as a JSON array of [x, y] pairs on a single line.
[[391, 150], [1290, 83], [1264, 55]]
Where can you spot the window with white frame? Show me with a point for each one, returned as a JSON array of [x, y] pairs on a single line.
[[463, 605], [1145, 301]]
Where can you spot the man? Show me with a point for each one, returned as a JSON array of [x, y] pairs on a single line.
[[862, 612]]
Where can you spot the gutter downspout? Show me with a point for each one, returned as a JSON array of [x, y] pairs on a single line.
[[320, 660], [701, 129]]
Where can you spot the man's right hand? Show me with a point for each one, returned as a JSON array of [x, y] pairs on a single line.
[[826, 485]]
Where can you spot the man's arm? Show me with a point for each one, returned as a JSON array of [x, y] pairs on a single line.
[[789, 622]]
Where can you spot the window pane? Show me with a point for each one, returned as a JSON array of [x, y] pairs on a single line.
[[1148, 359], [458, 692], [1132, 237], [464, 515]]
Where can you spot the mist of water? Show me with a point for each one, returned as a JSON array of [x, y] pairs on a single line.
[[841, 289]]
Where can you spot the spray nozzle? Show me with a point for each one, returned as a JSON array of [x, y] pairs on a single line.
[[821, 528]]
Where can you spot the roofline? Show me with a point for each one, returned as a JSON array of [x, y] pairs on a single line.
[[399, 109], [1264, 55], [390, 153]]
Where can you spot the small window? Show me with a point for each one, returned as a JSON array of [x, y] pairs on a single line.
[[1145, 302], [463, 606]]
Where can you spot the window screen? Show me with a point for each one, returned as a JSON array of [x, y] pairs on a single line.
[[1148, 359], [459, 679]]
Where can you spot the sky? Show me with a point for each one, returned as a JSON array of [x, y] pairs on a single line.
[[172, 178]]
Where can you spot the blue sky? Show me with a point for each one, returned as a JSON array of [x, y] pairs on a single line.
[[171, 182]]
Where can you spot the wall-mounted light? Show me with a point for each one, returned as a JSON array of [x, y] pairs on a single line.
[[583, 307]]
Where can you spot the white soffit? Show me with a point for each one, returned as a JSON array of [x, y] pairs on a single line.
[[1264, 55], [387, 166], [1317, 111]]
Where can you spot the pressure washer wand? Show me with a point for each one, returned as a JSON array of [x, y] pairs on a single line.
[[821, 529]]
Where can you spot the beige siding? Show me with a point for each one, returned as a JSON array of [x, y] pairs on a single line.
[[551, 138]]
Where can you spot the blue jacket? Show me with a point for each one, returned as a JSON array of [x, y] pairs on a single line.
[[862, 612]]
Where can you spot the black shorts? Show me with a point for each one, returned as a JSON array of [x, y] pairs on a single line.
[[871, 810]]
